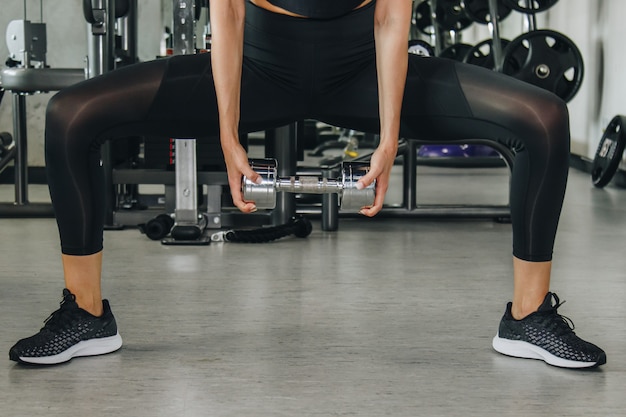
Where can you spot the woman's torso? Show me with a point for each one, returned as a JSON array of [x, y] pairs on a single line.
[[320, 9]]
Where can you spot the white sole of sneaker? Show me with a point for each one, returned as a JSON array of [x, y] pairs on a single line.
[[91, 347], [520, 349]]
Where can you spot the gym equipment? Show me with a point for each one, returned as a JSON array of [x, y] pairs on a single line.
[[479, 12], [29, 74], [487, 53], [409, 207], [457, 51], [103, 18], [189, 227], [422, 18], [451, 15], [547, 59], [441, 21], [351, 199], [421, 48], [158, 227], [114, 35], [339, 138], [609, 153], [443, 151], [459, 156], [94, 14], [7, 150], [298, 226], [483, 53], [530, 6]]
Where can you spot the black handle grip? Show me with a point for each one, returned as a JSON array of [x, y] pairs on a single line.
[[298, 226], [121, 9]]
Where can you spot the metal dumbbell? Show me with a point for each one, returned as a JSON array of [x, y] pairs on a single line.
[[350, 198]]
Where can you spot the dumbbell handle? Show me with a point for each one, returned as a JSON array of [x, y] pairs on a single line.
[[308, 185]]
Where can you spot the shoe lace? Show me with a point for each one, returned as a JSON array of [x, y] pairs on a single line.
[[61, 318], [562, 324]]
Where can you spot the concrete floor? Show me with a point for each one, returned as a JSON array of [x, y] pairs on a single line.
[[385, 317]]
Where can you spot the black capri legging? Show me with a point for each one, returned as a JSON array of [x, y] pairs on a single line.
[[303, 68]]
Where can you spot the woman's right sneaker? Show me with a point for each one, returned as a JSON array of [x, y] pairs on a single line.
[[69, 332], [546, 335]]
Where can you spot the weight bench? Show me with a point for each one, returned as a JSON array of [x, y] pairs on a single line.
[[409, 208]]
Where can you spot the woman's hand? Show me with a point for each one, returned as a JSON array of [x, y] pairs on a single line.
[[381, 162], [237, 165]]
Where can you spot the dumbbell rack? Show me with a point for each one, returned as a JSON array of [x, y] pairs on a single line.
[[494, 27]]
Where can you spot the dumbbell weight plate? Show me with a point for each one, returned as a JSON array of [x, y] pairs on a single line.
[[481, 54], [450, 15], [422, 19], [421, 48], [5, 138], [547, 59], [609, 153], [351, 198], [457, 52], [478, 10], [537, 5], [264, 194]]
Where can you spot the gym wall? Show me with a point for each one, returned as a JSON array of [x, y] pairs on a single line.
[[597, 29], [594, 26]]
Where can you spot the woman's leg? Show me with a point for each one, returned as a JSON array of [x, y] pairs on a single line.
[[531, 283], [445, 100], [77, 122], [538, 130], [449, 101], [83, 276], [173, 98], [166, 98]]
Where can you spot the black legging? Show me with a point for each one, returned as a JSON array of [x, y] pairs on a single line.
[[303, 68]]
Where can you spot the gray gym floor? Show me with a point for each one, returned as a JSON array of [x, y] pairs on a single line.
[[385, 317]]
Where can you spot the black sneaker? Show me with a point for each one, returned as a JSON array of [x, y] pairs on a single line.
[[546, 335], [69, 332]]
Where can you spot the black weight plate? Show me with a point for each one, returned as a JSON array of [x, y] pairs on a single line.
[[197, 10], [547, 59], [537, 5], [421, 48], [478, 10], [450, 15], [481, 54], [457, 52], [422, 19], [5, 139], [609, 153]]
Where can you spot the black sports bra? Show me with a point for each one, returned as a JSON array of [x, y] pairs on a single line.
[[318, 9]]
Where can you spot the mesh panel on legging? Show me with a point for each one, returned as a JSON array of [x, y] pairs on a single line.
[[448, 101], [80, 118], [535, 123]]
